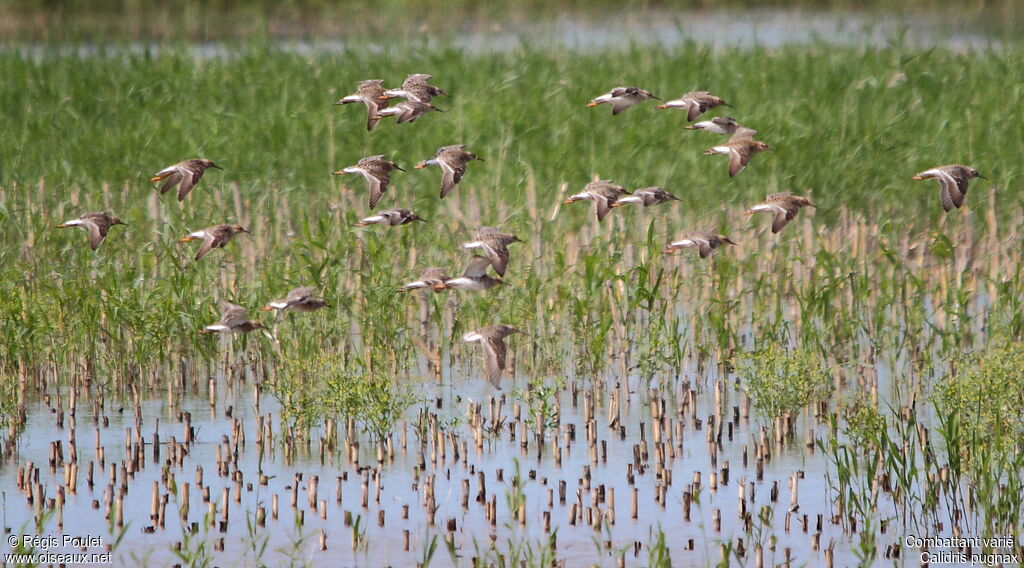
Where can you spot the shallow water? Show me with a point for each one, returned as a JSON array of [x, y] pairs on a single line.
[[750, 29], [581, 544]]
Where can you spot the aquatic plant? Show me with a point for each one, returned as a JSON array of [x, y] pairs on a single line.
[[783, 381], [984, 395]]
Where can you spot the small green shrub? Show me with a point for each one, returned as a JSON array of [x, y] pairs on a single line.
[[781, 381], [986, 395]]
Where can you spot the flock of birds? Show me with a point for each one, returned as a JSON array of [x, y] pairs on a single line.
[[416, 93]]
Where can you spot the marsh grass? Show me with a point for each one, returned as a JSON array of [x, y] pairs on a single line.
[[876, 278], [982, 402], [783, 381]]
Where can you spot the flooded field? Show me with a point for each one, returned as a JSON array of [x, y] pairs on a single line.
[[841, 393]]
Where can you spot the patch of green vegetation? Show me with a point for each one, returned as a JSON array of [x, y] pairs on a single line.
[[311, 390], [985, 396], [865, 424], [541, 401], [781, 381]]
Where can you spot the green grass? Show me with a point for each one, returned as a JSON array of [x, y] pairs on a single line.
[[850, 125]]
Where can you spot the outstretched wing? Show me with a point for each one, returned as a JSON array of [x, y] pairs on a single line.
[[477, 267], [497, 253], [738, 158], [494, 359], [378, 184], [299, 294], [232, 314], [189, 179], [97, 232], [451, 173], [206, 247]]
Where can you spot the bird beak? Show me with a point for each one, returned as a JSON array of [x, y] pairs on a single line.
[[62, 225], [917, 177], [592, 104], [186, 239], [420, 166], [338, 103], [339, 173], [420, 219], [266, 308], [440, 287], [482, 160], [663, 107], [155, 178], [399, 168], [569, 200], [981, 176], [688, 127], [216, 166], [655, 98]]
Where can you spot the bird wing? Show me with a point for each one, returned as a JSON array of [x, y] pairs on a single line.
[[959, 191], [97, 231], [209, 241], [378, 181], [703, 244], [434, 273], [945, 198], [694, 109], [189, 179], [299, 294], [494, 359], [372, 118], [783, 215], [742, 133], [172, 179], [451, 173], [232, 314], [410, 112], [497, 253], [477, 267], [603, 205], [651, 196], [619, 105], [738, 158]]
